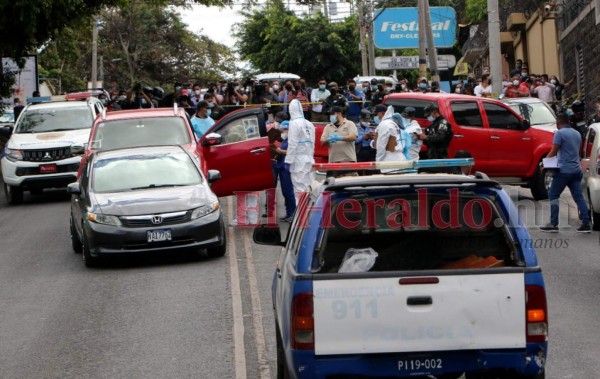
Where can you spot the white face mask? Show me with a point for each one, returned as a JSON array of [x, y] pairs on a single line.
[[553, 81], [284, 136], [275, 87], [197, 92], [516, 83]]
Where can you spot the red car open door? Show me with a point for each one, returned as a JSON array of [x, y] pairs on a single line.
[[238, 146]]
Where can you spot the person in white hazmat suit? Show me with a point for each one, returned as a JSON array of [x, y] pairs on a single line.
[[414, 130], [391, 142], [301, 149]]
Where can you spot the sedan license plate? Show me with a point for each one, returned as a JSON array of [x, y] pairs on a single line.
[[48, 169], [421, 365], [159, 235]]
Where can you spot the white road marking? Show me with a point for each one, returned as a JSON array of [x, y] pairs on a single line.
[[263, 363], [236, 299]]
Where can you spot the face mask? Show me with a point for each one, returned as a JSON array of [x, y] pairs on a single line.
[[333, 91], [457, 90], [103, 101], [373, 88], [197, 92], [553, 81], [431, 118], [365, 124], [351, 88], [516, 83], [403, 86], [376, 119], [333, 118], [275, 87], [223, 89], [121, 98], [283, 136], [322, 87], [208, 113], [143, 101], [178, 88], [422, 86]]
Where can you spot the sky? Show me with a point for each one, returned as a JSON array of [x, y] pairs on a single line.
[[216, 23]]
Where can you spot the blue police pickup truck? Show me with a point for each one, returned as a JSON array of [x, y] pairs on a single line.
[[407, 275]]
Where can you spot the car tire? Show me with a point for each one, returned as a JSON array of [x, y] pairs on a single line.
[[75, 241], [219, 251], [88, 260], [594, 217], [14, 195], [282, 371], [541, 183]]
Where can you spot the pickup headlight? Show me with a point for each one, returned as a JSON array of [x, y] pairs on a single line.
[[13, 154], [205, 210], [99, 218]]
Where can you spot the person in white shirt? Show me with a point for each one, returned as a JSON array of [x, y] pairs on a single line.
[[485, 88], [317, 97], [545, 90]]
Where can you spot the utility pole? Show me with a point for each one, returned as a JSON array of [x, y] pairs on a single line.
[[494, 44], [101, 70], [422, 40], [95, 53], [371, 40], [362, 22], [325, 10], [431, 51]]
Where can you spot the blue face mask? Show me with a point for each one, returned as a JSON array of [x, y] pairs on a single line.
[[322, 87], [373, 88], [177, 88], [208, 113], [422, 85], [376, 119], [431, 118], [143, 101], [333, 118]]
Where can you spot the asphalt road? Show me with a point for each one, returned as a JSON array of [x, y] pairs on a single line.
[[184, 315]]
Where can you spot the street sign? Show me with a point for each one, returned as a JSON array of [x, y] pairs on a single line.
[[398, 28], [411, 62]]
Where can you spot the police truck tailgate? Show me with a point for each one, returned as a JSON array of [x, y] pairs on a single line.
[[451, 311]]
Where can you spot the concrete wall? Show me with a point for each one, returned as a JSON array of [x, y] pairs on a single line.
[[542, 46]]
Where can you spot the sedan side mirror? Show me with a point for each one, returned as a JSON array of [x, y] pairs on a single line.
[[77, 149], [213, 175], [6, 131], [212, 139], [74, 188], [525, 125], [268, 235]]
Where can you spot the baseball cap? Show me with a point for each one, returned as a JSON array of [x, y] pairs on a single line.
[[335, 109], [374, 81], [380, 108], [365, 114], [430, 108]]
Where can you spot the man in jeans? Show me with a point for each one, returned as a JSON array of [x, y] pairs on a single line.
[[566, 145]]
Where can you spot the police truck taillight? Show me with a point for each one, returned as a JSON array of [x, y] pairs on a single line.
[[537, 314], [303, 324]]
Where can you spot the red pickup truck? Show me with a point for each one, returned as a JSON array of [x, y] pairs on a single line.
[[502, 143]]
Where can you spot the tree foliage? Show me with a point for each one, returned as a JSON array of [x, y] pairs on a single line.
[[274, 39]]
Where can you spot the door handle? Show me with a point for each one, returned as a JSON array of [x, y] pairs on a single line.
[[258, 151], [495, 137], [419, 300], [458, 136]]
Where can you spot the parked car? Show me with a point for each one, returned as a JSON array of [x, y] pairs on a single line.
[[590, 165], [379, 277], [503, 144], [144, 199], [537, 112], [6, 119], [38, 154]]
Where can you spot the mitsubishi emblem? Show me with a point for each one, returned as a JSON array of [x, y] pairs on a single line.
[[47, 156]]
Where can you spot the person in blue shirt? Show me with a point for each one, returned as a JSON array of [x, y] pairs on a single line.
[[201, 121], [283, 171], [364, 151], [356, 102], [566, 144]]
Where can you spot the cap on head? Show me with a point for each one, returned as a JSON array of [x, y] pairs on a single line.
[[430, 108], [285, 125], [409, 112], [374, 81], [365, 114], [335, 109], [380, 108]]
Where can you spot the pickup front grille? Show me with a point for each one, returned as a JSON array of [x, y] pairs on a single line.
[[47, 155], [152, 220], [60, 169]]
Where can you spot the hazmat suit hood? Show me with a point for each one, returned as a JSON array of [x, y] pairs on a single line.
[[388, 114], [295, 110], [398, 119]]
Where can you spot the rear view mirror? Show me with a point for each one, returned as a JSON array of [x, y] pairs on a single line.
[[213, 175], [6, 131], [212, 139], [267, 235], [525, 125], [74, 188]]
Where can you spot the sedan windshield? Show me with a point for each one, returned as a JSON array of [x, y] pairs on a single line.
[[7, 117], [144, 171], [535, 113], [141, 132], [55, 119]]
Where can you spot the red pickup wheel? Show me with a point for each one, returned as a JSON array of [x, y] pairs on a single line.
[[541, 183]]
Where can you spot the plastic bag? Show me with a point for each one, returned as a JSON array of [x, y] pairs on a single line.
[[358, 260]]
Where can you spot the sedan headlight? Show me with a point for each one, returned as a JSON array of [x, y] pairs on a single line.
[[205, 210], [13, 154], [100, 218]]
